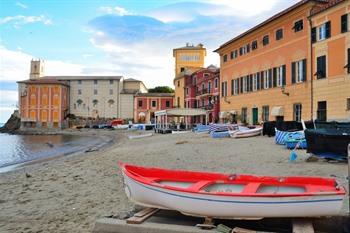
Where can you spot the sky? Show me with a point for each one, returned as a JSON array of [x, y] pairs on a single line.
[[131, 38]]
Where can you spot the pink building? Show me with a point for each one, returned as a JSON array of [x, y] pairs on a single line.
[[202, 91], [145, 104]]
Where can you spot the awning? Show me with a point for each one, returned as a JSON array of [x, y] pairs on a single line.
[[181, 112], [223, 115], [277, 111]]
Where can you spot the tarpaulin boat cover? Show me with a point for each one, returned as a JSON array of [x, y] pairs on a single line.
[[269, 126], [332, 125], [222, 127], [328, 143]]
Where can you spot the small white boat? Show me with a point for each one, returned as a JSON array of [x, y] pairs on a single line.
[[180, 131], [230, 196], [140, 136], [120, 126], [244, 132]]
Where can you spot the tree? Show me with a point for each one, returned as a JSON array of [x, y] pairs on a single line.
[[161, 89]]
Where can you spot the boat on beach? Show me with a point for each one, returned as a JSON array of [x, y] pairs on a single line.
[[140, 136], [244, 132], [230, 196]]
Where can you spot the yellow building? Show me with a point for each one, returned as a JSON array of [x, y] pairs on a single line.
[[331, 62], [187, 59]]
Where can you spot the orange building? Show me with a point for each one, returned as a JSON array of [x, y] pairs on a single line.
[[266, 71], [43, 103], [330, 36]]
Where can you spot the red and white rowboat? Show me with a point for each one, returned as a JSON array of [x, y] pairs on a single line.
[[232, 196]]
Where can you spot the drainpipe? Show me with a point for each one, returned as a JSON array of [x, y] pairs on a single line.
[[312, 64]]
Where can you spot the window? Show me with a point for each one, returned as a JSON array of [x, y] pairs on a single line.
[[266, 40], [178, 83], [344, 23], [140, 103], [324, 31], [247, 48], [206, 75], [95, 81], [111, 81], [234, 86], [266, 113], [234, 54], [280, 76], [348, 104], [297, 112], [79, 81], [167, 103], [245, 84], [216, 83], [182, 69], [267, 79], [186, 90], [94, 103], [79, 91], [178, 101], [298, 25], [111, 91], [154, 103], [321, 67], [322, 110], [279, 34], [225, 58], [110, 103], [299, 71], [244, 115], [255, 82], [209, 87], [254, 45], [95, 91], [224, 89]]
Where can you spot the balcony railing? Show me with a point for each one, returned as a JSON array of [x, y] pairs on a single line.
[[203, 92]]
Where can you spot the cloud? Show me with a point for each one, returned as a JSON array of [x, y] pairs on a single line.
[[21, 5], [20, 20], [114, 10]]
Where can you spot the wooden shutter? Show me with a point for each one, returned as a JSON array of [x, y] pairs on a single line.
[[304, 70], [232, 86], [258, 81], [328, 29], [284, 75], [274, 82], [262, 80], [241, 84], [270, 78], [251, 82], [293, 72], [344, 23], [348, 65], [313, 35], [238, 86]]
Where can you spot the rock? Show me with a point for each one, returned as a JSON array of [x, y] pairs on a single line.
[[28, 175], [312, 158], [181, 142], [12, 124]]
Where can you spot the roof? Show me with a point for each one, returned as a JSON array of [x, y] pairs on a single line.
[[330, 4], [181, 112], [129, 91], [44, 81], [155, 94], [190, 47], [131, 80], [84, 77], [276, 16]]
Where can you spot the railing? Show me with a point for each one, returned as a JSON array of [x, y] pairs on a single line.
[[202, 92]]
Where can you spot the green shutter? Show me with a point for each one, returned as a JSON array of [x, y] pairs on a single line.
[[284, 75], [274, 83], [293, 72], [328, 29], [304, 70], [344, 23]]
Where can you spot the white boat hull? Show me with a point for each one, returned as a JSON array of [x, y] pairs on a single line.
[[180, 132], [230, 207], [245, 133], [140, 136]]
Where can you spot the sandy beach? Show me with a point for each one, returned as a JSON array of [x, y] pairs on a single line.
[[68, 194]]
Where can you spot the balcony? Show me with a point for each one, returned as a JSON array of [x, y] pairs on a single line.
[[207, 107], [203, 92]]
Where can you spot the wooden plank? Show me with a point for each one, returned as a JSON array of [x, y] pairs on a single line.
[[141, 216], [302, 226]]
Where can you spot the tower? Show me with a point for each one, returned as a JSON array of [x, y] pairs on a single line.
[[36, 69], [189, 56]]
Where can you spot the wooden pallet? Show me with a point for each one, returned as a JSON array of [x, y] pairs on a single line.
[[141, 216]]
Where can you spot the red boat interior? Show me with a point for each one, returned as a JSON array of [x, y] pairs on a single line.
[[232, 184]]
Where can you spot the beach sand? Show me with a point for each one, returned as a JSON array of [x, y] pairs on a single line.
[[70, 193]]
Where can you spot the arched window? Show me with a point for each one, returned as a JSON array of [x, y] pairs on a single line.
[[95, 102], [110, 103], [79, 102]]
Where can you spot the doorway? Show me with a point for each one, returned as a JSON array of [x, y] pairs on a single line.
[[255, 116]]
